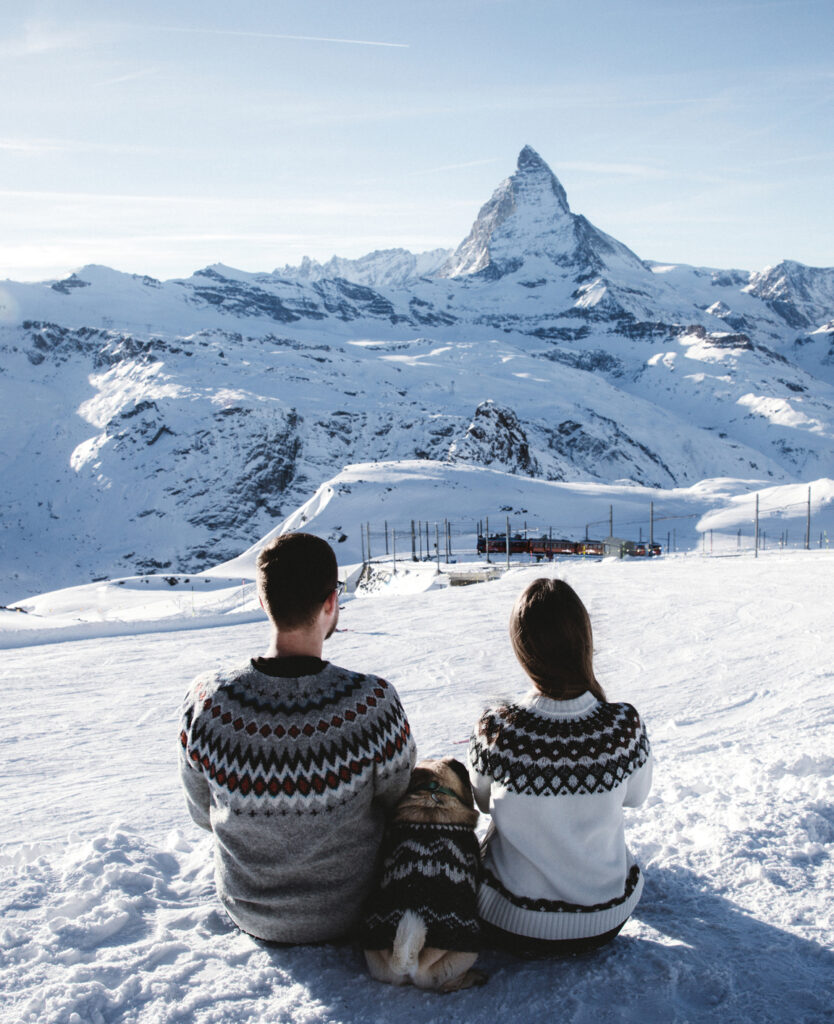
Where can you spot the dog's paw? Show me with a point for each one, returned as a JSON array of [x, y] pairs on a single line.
[[473, 978]]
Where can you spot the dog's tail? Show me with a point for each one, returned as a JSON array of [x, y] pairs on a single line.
[[408, 942]]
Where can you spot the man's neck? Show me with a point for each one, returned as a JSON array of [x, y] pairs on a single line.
[[295, 643]]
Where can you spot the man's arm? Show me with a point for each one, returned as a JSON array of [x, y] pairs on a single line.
[[397, 759], [194, 783]]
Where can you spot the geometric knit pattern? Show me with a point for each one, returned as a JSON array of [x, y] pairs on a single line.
[[271, 747], [561, 906], [432, 870], [530, 753]]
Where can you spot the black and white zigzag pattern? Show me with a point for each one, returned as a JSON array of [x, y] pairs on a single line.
[[433, 871], [561, 906], [530, 753]]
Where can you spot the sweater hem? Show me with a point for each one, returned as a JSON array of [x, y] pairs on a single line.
[[498, 910]]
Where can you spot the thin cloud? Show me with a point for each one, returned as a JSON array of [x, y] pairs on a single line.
[[451, 167], [619, 169], [273, 35], [129, 77], [39, 38], [38, 146]]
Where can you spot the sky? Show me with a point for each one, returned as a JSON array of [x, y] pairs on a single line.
[[160, 138]]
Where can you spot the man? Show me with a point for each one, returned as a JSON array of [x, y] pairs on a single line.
[[291, 762]]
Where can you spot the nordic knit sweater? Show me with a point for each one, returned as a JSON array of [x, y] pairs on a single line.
[[555, 776], [293, 775], [433, 871]]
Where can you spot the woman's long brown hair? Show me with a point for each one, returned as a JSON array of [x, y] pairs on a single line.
[[550, 631]]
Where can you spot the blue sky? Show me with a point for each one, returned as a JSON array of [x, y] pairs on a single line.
[[158, 138]]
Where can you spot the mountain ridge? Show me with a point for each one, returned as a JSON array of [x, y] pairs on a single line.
[[152, 425]]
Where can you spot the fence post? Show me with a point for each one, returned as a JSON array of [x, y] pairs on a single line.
[[756, 532], [437, 545]]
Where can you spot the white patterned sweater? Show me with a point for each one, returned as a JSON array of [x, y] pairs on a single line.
[[555, 775]]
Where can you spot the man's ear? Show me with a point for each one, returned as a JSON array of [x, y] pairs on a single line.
[[331, 603]]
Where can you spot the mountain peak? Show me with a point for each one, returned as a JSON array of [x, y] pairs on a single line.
[[528, 157], [527, 215], [531, 170]]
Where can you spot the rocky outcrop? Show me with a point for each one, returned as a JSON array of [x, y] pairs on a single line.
[[496, 438]]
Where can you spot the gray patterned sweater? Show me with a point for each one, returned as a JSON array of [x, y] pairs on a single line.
[[293, 773]]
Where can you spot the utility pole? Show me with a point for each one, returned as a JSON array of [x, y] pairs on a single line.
[[413, 543], [508, 541], [437, 546], [610, 522], [386, 536], [651, 522], [394, 548], [486, 538], [808, 523]]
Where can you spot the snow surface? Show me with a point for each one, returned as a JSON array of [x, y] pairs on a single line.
[[106, 894], [713, 517]]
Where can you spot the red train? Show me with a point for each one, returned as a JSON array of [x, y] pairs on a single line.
[[548, 547]]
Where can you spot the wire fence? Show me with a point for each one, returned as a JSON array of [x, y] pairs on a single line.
[[513, 539]]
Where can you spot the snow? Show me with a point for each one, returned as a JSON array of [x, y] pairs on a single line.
[[106, 895], [386, 494]]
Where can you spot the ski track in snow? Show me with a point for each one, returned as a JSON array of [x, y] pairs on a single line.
[[106, 890]]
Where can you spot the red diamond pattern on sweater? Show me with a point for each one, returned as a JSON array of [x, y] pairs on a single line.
[[308, 773]]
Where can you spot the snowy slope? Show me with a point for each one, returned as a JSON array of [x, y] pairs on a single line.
[[106, 895], [713, 518], [151, 425]]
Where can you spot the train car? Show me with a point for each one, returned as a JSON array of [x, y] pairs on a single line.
[[547, 547], [591, 547], [496, 544]]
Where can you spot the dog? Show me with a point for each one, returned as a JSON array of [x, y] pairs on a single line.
[[421, 924]]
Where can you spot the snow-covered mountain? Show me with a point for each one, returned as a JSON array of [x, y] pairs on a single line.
[[153, 425]]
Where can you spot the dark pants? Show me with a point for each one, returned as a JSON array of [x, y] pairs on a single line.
[[537, 949]]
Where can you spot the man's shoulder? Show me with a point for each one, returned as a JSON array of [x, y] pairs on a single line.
[[363, 678], [212, 680]]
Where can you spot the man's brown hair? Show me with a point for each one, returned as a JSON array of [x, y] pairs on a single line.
[[297, 572], [550, 631]]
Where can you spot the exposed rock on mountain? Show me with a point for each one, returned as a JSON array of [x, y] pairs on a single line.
[[495, 438], [154, 424]]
